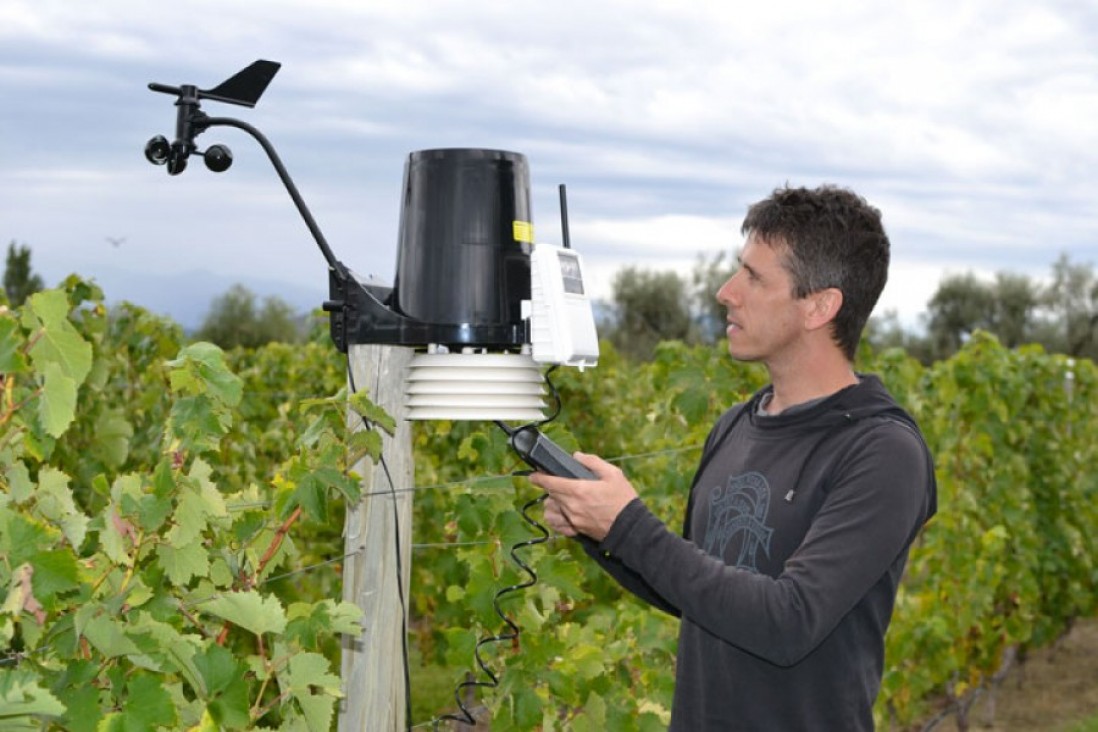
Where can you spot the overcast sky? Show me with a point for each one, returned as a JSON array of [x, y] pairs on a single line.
[[971, 125]]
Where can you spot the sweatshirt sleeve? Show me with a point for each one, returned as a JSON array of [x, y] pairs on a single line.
[[630, 580], [871, 514]]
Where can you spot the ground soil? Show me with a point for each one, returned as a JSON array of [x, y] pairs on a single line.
[[1055, 689]]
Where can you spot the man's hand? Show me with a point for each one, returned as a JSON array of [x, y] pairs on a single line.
[[586, 507]]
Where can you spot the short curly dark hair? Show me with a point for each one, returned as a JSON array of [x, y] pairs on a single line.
[[829, 237]]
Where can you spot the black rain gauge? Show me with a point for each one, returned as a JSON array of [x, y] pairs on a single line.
[[480, 301]]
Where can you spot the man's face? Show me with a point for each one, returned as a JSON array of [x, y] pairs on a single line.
[[764, 322]]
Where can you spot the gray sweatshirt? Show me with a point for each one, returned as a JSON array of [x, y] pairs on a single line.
[[797, 531]]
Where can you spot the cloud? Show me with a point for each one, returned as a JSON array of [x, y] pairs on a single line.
[[969, 124]]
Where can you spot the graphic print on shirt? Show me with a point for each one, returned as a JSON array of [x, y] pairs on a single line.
[[740, 509]]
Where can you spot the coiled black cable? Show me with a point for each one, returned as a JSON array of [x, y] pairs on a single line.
[[465, 716], [513, 631]]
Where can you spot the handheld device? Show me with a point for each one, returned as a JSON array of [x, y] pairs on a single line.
[[541, 453]]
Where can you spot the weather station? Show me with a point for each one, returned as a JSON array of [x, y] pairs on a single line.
[[482, 305]]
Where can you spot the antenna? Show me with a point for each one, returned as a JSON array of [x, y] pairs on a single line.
[[565, 239]]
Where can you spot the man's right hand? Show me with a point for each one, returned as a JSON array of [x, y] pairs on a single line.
[[556, 519]]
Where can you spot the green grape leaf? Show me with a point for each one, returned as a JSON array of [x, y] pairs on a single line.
[[59, 342], [54, 502], [21, 538], [116, 536], [107, 635], [249, 610], [460, 643], [200, 369], [11, 358], [564, 573], [21, 594], [181, 563], [57, 405], [363, 405], [199, 501], [153, 511], [148, 705], [317, 711], [199, 422], [99, 374], [55, 572], [82, 707], [310, 495], [528, 707], [22, 701], [218, 668], [309, 623], [113, 722], [191, 517], [222, 685], [307, 672], [112, 437], [20, 485], [693, 402], [346, 617], [366, 442], [220, 573], [587, 660], [230, 708], [173, 649]]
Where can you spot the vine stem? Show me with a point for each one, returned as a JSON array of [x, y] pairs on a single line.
[[251, 580], [10, 412], [276, 542], [194, 621], [9, 383], [137, 541]]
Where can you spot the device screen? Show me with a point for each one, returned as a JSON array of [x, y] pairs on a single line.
[[570, 273]]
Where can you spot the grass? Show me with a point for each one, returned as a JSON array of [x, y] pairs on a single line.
[[1090, 725], [432, 688]]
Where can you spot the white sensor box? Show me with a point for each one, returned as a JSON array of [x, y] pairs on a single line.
[[562, 323]]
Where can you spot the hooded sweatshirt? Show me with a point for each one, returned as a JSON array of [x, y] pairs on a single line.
[[797, 531]]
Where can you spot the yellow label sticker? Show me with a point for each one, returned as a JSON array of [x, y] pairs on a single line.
[[523, 230]]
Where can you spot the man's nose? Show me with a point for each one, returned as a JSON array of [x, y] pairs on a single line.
[[727, 291]]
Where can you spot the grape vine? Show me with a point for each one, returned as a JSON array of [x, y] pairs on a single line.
[[170, 529]]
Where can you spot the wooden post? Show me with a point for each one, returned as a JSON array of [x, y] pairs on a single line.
[[373, 663]]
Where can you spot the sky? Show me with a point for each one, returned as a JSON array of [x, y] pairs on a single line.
[[969, 123]]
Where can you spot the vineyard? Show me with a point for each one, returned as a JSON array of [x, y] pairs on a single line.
[[171, 518]]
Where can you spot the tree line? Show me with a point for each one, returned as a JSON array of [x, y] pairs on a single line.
[[236, 318], [648, 306]]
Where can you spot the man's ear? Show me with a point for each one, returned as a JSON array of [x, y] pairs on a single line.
[[824, 305]]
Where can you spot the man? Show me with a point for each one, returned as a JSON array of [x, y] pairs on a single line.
[[806, 499]]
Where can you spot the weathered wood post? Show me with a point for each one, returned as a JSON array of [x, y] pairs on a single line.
[[372, 663]]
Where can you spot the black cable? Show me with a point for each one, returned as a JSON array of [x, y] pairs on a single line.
[[555, 393], [399, 564], [465, 716], [513, 632]]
